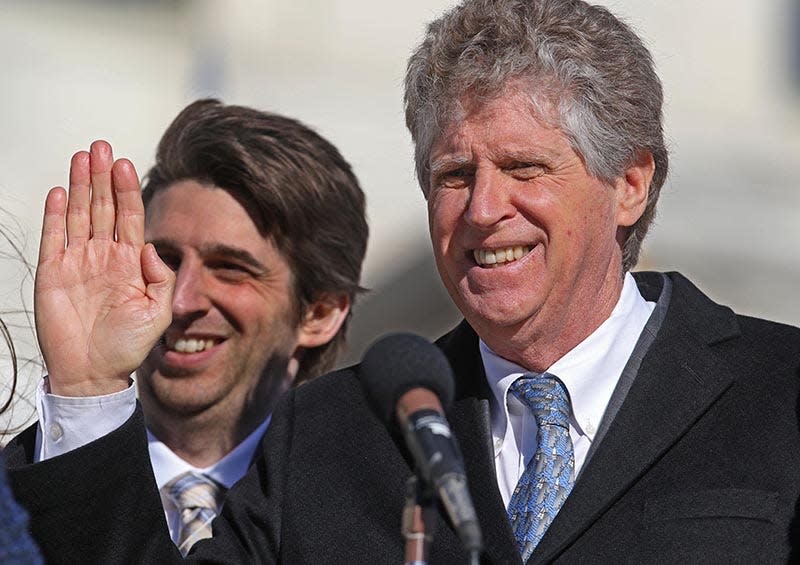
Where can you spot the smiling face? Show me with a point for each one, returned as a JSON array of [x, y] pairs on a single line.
[[526, 241], [234, 324]]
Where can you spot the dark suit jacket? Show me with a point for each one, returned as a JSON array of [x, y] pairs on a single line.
[[700, 464]]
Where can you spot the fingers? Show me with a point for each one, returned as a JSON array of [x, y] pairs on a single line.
[[78, 218], [130, 210], [53, 238], [102, 199]]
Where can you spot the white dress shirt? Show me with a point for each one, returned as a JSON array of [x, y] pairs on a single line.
[[70, 422], [589, 371], [66, 423], [167, 465]]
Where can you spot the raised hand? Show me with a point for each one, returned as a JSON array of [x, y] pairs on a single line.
[[102, 297]]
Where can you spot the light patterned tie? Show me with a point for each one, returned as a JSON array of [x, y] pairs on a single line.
[[198, 498], [547, 479]]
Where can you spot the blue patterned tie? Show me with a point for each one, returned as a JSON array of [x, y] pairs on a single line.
[[547, 480]]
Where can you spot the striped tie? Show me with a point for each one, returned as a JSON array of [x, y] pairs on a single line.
[[198, 498], [547, 480]]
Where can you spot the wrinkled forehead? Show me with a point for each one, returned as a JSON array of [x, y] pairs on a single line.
[[539, 98]]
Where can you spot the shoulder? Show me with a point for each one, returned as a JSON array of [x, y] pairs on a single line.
[[330, 390], [749, 343], [323, 409], [764, 347]]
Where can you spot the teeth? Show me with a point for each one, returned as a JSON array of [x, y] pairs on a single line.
[[498, 256], [192, 345]]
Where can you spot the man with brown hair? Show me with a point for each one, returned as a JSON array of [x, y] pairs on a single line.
[[262, 222]]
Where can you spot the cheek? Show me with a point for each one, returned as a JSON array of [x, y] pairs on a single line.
[[587, 217], [243, 309], [592, 236], [573, 235], [444, 212], [436, 224]]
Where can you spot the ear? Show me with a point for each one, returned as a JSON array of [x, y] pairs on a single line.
[[322, 320], [632, 189]]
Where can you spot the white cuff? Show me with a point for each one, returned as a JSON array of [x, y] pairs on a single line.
[[67, 422]]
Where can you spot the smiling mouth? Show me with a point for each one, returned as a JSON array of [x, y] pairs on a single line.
[[500, 256], [190, 344]]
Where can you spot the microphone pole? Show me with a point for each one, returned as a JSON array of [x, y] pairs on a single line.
[[419, 521], [438, 464]]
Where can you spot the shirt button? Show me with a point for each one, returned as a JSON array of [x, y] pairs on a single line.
[[498, 443], [590, 428], [56, 431]]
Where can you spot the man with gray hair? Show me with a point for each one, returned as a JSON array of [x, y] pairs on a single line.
[[602, 417]]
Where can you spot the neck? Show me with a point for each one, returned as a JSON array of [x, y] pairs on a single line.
[[201, 440], [205, 435]]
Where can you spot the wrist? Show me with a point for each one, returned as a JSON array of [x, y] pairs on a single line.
[[86, 388]]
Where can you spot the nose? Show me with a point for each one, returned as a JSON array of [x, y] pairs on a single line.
[[489, 199], [190, 297]]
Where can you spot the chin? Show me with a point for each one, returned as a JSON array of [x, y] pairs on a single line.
[[484, 315], [184, 402], [178, 394]]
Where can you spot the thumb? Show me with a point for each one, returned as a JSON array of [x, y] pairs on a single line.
[[160, 281]]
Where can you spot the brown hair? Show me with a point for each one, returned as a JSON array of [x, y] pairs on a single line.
[[295, 185]]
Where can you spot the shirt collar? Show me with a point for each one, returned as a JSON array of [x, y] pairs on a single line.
[[167, 465], [589, 371]]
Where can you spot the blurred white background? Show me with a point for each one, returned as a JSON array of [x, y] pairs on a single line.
[[75, 71]]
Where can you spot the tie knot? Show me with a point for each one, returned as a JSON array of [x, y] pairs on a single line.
[[194, 490], [546, 396]]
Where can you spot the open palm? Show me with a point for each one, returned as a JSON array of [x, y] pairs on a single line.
[[102, 297]]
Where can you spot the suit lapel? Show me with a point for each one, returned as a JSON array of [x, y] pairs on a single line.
[[470, 421], [679, 380]]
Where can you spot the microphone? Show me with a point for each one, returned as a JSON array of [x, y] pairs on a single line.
[[407, 380]]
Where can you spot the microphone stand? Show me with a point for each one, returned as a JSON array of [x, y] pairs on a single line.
[[419, 521]]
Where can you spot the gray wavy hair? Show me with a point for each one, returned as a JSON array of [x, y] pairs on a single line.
[[581, 66]]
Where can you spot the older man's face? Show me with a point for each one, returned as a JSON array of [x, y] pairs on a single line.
[[524, 237]]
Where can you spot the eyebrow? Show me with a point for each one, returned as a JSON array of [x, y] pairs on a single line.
[[449, 162], [525, 155], [445, 163], [217, 249]]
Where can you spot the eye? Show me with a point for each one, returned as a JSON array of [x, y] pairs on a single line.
[[170, 258], [454, 178], [229, 271], [524, 170]]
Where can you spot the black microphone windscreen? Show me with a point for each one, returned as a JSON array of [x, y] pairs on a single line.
[[395, 364]]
